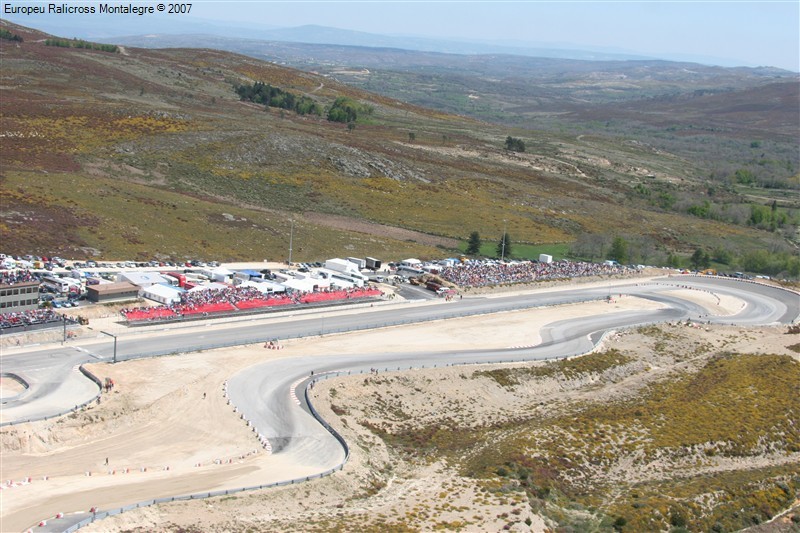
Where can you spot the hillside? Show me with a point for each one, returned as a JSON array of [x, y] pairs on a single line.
[[186, 169]]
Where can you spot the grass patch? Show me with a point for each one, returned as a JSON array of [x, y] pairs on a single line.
[[520, 250], [565, 369], [131, 221], [735, 406]]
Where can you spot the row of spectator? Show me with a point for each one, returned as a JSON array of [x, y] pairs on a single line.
[[482, 274], [233, 298], [12, 277], [28, 318]]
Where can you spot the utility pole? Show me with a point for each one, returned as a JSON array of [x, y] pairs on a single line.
[[291, 238], [115, 343], [503, 244]]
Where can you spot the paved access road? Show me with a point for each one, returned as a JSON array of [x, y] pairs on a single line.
[[271, 394]]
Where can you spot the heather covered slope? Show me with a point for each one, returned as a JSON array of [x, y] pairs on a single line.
[[144, 153]]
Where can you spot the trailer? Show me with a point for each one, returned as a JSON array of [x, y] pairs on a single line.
[[360, 263], [373, 264], [344, 270], [175, 279]]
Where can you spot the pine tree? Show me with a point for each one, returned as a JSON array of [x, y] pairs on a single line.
[[474, 244], [619, 250], [504, 246]]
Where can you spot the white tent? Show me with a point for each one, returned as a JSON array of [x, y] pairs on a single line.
[[210, 286], [164, 294], [264, 286], [306, 284], [142, 279]]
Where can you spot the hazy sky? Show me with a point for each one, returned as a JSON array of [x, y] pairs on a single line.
[[755, 33], [751, 33]]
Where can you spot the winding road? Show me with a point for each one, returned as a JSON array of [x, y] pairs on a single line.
[[270, 395]]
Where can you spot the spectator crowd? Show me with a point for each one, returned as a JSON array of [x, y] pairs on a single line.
[[237, 298], [12, 277], [482, 273], [28, 318]]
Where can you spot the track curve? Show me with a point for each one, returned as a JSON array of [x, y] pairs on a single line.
[[263, 393]]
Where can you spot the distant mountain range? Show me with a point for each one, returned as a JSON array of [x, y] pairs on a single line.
[[163, 32]]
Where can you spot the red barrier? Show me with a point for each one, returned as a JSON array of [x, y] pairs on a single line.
[[269, 302]]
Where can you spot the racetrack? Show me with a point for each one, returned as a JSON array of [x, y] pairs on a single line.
[[300, 446]]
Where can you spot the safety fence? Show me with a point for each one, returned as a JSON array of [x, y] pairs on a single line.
[[30, 328]]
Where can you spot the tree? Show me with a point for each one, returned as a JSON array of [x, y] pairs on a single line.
[[722, 255], [515, 145], [346, 110], [619, 250], [269, 96], [474, 244], [700, 259], [5, 34], [412, 136], [590, 245], [504, 246]]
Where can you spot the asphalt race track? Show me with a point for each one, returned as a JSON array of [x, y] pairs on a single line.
[[270, 394]]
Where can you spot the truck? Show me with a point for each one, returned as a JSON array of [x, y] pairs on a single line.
[[438, 288], [175, 279], [433, 286], [544, 258], [372, 263]]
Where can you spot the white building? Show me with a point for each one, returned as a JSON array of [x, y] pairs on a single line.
[[142, 279], [163, 294], [266, 286], [221, 274]]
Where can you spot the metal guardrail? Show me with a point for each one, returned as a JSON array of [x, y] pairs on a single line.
[[100, 515], [202, 495], [262, 339], [359, 327], [83, 371], [29, 328]]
